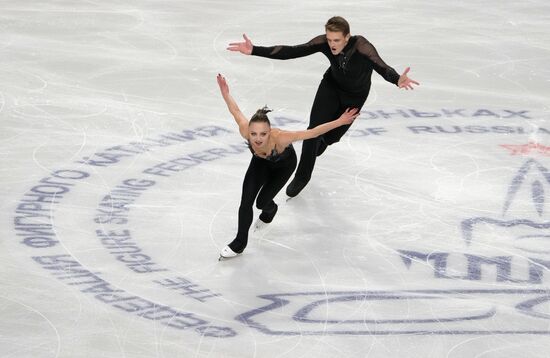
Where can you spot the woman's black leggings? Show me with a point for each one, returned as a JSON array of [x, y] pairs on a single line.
[[329, 104], [266, 178]]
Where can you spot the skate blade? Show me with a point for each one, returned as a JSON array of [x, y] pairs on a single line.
[[229, 253], [224, 258]]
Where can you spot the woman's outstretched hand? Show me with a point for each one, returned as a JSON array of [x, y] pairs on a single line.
[[224, 88], [406, 82], [349, 115], [242, 47]]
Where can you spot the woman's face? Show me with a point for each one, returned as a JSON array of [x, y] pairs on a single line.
[[258, 134]]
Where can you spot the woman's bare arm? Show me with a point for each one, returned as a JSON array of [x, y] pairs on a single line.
[[287, 137], [241, 120]]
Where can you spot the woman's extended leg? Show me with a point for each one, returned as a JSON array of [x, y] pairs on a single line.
[[255, 177]]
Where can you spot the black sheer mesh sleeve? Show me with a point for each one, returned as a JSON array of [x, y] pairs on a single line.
[[366, 49], [283, 52]]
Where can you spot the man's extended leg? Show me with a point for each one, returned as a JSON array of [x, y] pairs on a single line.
[[325, 109], [333, 136]]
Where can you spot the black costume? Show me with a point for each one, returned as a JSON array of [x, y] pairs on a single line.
[[345, 84], [265, 176]]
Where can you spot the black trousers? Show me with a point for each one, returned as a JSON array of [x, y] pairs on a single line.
[[329, 104], [266, 178]]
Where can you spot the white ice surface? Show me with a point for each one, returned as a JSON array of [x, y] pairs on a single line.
[[405, 243]]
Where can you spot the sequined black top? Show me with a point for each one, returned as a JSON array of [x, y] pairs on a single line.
[[274, 156]]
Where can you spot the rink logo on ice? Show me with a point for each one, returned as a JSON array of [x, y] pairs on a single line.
[[455, 113], [34, 225], [526, 195], [353, 312], [417, 312], [527, 149], [524, 242], [528, 237]]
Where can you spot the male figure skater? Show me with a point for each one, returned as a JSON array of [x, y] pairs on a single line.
[[345, 84]]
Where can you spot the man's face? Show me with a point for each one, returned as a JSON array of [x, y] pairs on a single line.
[[337, 41]]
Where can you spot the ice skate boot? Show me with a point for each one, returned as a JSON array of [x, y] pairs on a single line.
[[227, 253]]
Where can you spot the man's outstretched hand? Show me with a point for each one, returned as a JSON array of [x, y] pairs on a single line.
[[242, 47], [406, 82]]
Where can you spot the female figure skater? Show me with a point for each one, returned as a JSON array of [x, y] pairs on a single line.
[[345, 84], [273, 162]]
